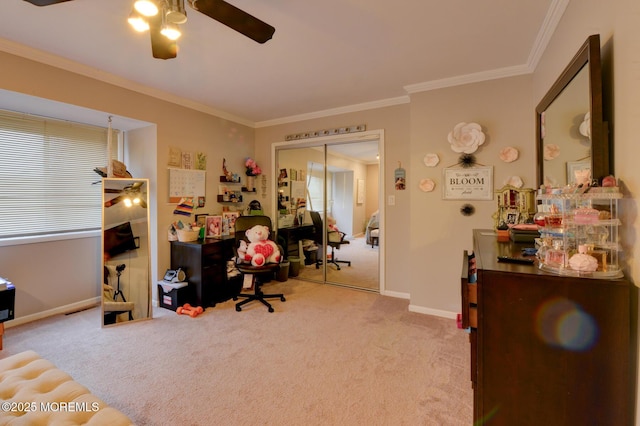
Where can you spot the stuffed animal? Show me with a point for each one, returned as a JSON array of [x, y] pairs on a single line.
[[260, 249]]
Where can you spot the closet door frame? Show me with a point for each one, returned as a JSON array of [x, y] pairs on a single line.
[[371, 135]]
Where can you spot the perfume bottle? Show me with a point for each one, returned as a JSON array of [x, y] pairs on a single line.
[[556, 255]]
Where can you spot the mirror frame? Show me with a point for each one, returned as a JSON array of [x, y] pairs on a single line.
[[146, 242], [588, 55]]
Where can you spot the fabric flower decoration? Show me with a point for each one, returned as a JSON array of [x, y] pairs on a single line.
[[515, 181], [585, 126], [252, 167], [466, 137], [509, 154], [427, 185], [431, 160], [551, 151]]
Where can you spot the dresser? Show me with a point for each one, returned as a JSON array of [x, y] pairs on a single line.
[[205, 264], [546, 349]]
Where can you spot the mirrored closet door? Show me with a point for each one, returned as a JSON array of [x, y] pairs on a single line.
[[327, 200], [126, 261]]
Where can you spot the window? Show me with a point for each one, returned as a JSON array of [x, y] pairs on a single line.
[[315, 195], [47, 177]]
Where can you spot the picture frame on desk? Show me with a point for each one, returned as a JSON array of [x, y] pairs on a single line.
[[231, 218], [201, 219], [214, 226]]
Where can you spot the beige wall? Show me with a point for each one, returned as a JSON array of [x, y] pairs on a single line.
[[74, 276]]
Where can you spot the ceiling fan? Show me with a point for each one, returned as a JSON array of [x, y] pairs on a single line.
[[163, 24], [130, 194]]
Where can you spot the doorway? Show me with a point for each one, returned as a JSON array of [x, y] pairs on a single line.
[[340, 177]]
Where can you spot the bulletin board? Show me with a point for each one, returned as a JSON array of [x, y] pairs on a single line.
[[186, 183]]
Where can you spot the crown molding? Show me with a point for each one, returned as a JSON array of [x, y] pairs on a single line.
[[335, 111], [551, 21], [468, 78], [78, 68]]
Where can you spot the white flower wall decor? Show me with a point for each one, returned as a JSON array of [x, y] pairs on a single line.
[[509, 154], [585, 126], [466, 137], [431, 160], [427, 185], [551, 151], [515, 181]]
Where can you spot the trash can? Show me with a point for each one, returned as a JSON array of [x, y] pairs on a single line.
[[294, 266], [283, 273]]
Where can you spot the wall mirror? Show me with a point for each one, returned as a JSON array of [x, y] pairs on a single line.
[[126, 261], [571, 135]]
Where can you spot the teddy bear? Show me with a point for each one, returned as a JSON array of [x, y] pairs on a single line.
[[260, 249]]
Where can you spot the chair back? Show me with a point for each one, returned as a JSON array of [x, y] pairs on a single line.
[[317, 224]]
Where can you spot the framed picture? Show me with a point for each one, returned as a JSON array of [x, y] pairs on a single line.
[[512, 217], [201, 220], [230, 218], [473, 183], [214, 226], [360, 192], [579, 172]]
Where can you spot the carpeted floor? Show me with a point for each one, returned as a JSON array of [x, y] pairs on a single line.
[[326, 356], [363, 272]]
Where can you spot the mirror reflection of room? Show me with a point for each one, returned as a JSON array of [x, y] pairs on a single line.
[[343, 191], [566, 139], [125, 243]]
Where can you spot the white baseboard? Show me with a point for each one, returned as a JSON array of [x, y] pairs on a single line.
[[73, 307], [396, 294], [434, 312]]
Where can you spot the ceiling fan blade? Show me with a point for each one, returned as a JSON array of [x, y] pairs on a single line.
[[45, 2], [161, 47], [235, 18], [113, 201]]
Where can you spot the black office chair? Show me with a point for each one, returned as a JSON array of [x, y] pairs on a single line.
[[335, 239], [261, 274]]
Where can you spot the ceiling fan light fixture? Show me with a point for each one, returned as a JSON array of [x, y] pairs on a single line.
[[127, 202], [137, 21], [146, 7], [175, 12], [170, 31]]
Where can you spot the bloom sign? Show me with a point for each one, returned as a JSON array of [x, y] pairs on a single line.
[[468, 183]]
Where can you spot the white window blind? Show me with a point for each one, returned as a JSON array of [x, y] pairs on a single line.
[[46, 175]]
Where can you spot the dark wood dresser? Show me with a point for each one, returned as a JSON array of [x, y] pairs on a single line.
[[205, 264], [546, 349]]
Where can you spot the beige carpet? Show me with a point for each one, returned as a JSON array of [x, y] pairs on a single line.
[[363, 272], [327, 356]]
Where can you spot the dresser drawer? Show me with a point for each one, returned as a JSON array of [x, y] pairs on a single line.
[[473, 317]]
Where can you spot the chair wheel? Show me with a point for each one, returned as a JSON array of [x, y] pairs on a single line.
[[270, 309], [238, 308], [283, 299]]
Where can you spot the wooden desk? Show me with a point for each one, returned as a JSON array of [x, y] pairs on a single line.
[[290, 236], [205, 264], [546, 349]]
